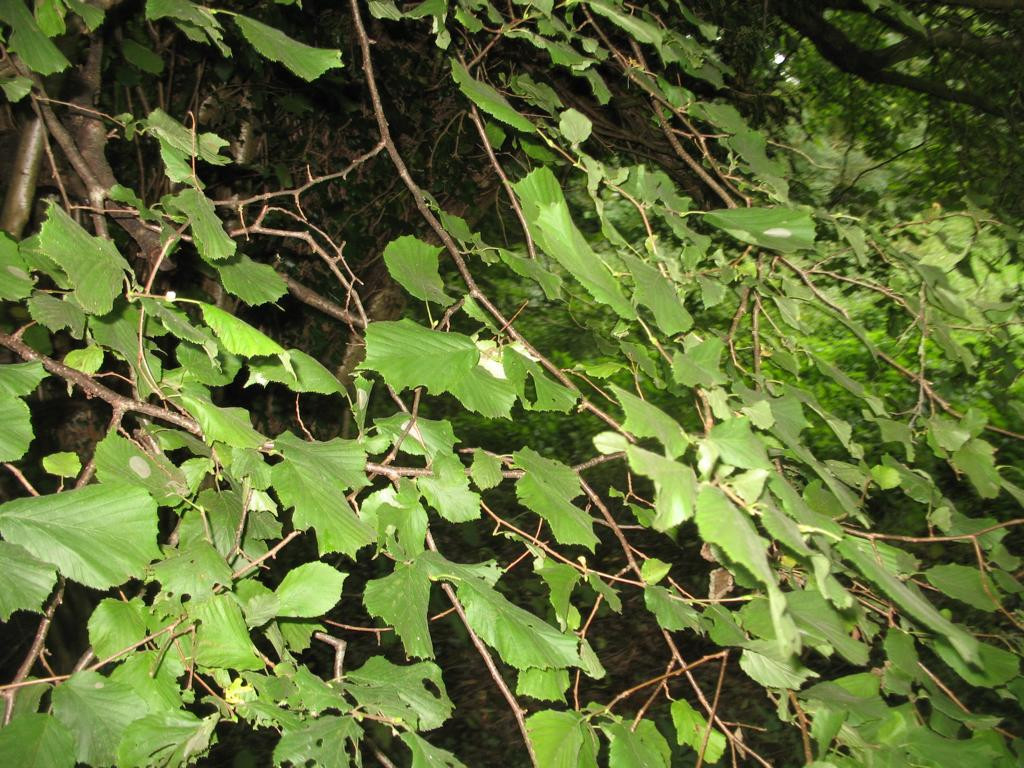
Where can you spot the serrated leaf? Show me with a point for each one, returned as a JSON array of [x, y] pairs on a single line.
[[93, 265], [887, 478], [100, 535], [115, 625], [447, 491], [562, 739], [25, 582], [142, 57], [414, 264], [485, 470], [252, 282], [401, 599], [399, 691], [488, 99], [165, 739], [976, 458], [963, 583], [97, 711], [313, 478], [56, 314], [691, 730], [225, 425], [194, 568], [907, 597], [222, 639], [574, 126], [670, 612], [309, 591], [17, 432], [654, 570], [36, 741], [543, 684], [38, 51], [237, 336], [306, 374], [175, 136], [303, 60], [425, 755], [208, 233], [408, 355], [700, 364], [675, 487], [322, 742], [85, 359], [781, 229], [548, 487], [642, 747], [520, 638], [762, 661], [15, 281], [646, 420], [21, 379], [120, 461], [738, 445]]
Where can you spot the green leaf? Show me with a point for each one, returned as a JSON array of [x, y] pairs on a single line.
[[425, 755], [193, 568], [25, 582], [670, 612], [485, 470], [738, 445], [646, 420], [562, 739], [399, 691], [225, 425], [26, 39], [963, 583], [408, 355], [116, 625], [548, 488], [305, 374], [165, 739], [142, 57], [15, 281], [36, 741], [93, 265], [222, 639], [721, 523], [448, 491], [309, 591], [401, 599], [179, 139], [781, 229], [86, 359], [207, 230], [976, 458], [97, 711], [764, 664], [691, 730], [237, 336], [574, 126], [908, 598], [700, 364], [520, 638], [654, 570], [322, 742], [414, 265], [252, 282], [303, 60], [657, 293], [643, 747], [551, 224], [99, 536], [21, 379], [313, 479], [15, 89], [17, 433], [57, 314], [887, 478], [488, 99], [675, 486], [121, 461], [543, 684]]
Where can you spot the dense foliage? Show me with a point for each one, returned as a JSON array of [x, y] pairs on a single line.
[[444, 384]]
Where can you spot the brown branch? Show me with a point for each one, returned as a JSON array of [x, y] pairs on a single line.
[[94, 389], [33, 652]]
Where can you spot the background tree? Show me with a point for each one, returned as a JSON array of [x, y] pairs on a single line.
[[382, 381]]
